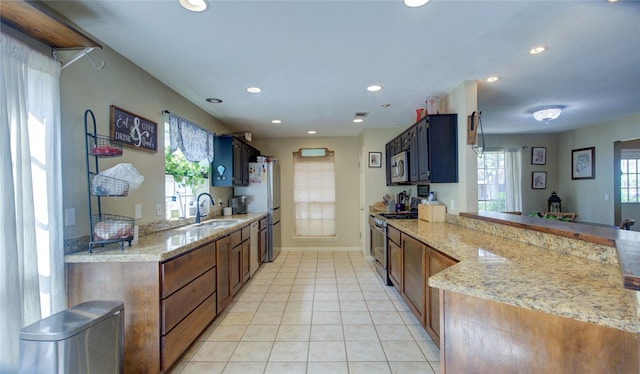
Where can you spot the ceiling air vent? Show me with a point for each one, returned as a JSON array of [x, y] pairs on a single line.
[[361, 114]]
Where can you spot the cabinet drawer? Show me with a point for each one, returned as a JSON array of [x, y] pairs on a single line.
[[182, 302], [236, 238], [180, 338], [263, 223], [393, 234], [175, 273], [246, 233]]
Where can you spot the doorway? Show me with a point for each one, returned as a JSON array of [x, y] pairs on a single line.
[[626, 184]]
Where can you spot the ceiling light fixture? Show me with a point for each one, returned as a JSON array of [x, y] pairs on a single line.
[[415, 3], [311, 132], [276, 121], [254, 89], [374, 88], [358, 120], [214, 100], [536, 50], [493, 79], [546, 113], [193, 5]]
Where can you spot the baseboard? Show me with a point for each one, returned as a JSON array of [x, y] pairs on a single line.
[[321, 249]]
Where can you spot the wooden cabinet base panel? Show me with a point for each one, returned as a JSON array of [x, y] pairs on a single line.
[[481, 336]]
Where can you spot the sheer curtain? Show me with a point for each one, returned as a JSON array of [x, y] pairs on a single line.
[[513, 178], [31, 263]]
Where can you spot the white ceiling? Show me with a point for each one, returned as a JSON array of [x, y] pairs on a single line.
[[314, 59]]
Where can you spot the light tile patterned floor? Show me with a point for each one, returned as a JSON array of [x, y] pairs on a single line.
[[314, 312]]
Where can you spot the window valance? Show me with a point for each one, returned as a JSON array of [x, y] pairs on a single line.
[[195, 142]]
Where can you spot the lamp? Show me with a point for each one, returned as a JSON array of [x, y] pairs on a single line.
[[546, 113], [555, 203]]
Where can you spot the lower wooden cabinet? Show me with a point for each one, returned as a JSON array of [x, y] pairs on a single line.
[[223, 257], [262, 241], [436, 262], [394, 259], [414, 275]]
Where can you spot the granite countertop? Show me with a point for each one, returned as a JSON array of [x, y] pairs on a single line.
[[163, 245], [527, 276]]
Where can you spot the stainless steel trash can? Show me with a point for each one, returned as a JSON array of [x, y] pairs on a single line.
[[87, 338]]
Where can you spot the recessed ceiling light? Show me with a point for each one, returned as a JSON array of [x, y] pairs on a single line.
[[374, 88], [311, 132], [536, 50], [385, 105], [492, 79], [254, 89], [214, 100], [358, 120], [276, 121], [415, 3], [193, 5]]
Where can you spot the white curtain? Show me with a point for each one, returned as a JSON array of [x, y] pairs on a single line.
[[32, 280], [513, 178]]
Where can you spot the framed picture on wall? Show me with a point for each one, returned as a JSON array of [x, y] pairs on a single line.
[[538, 155], [375, 159], [538, 180], [583, 163]]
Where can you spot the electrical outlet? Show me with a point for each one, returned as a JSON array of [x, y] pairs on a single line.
[[606, 197], [158, 210], [452, 206], [138, 213], [70, 217]]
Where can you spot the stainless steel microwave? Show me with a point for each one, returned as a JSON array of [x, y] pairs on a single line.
[[399, 168]]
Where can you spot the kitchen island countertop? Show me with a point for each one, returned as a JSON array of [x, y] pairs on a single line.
[[524, 275], [166, 244]]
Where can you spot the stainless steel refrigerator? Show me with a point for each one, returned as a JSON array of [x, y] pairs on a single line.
[[263, 195]]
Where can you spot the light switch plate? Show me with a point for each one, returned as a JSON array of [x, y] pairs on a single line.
[[158, 210]]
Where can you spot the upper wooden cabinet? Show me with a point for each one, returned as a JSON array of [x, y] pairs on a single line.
[[231, 161], [432, 145], [43, 24]]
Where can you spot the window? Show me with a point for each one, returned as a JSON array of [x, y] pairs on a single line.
[[184, 180], [314, 192], [630, 184], [491, 181]]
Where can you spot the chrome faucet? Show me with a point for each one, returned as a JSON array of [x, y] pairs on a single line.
[[198, 205]]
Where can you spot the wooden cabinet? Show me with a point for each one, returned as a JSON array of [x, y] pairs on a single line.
[[223, 257], [432, 144], [436, 262], [414, 275], [232, 158], [188, 300], [233, 253], [167, 304], [394, 262]]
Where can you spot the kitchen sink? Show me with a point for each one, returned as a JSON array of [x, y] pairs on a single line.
[[218, 222]]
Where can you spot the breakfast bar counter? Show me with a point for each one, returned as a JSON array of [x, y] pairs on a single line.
[[530, 300]]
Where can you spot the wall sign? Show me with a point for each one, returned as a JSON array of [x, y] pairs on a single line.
[[133, 131]]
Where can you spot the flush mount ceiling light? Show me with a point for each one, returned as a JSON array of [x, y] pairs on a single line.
[[493, 79], [374, 88], [415, 3], [276, 121], [544, 114], [193, 5], [254, 89], [311, 132], [214, 100], [358, 120], [536, 50]]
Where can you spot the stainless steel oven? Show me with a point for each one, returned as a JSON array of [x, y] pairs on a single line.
[[378, 246]]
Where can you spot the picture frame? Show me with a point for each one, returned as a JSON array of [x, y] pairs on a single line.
[[538, 180], [375, 159], [583, 163], [538, 155], [132, 130]]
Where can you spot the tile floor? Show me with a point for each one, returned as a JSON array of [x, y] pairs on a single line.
[[314, 312]]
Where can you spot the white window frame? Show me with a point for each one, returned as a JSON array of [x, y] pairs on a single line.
[[498, 176]]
